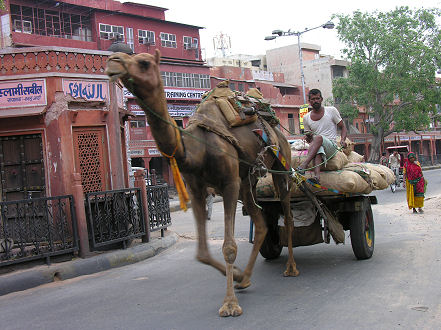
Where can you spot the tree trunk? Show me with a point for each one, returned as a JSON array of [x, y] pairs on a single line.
[[377, 141]]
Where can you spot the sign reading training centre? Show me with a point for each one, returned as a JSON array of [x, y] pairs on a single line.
[[176, 94], [23, 93], [86, 89]]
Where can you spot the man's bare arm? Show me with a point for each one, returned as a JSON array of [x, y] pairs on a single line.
[[344, 132]]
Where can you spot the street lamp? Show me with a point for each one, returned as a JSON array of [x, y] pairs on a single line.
[[280, 33]]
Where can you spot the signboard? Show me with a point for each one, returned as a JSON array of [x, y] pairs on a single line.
[[302, 112], [262, 75], [415, 138], [404, 138], [136, 152], [426, 137], [176, 94], [183, 94], [154, 152], [22, 93], [177, 110], [87, 89]]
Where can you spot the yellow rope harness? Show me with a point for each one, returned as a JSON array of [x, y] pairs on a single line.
[[180, 187]]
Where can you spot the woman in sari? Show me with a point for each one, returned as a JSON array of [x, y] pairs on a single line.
[[415, 183]]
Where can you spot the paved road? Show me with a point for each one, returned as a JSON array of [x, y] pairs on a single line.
[[399, 287]]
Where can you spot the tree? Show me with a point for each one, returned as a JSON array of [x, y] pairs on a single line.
[[394, 57]]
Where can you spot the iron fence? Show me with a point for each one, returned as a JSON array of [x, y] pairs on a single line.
[[158, 207], [37, 228], [114, 216]]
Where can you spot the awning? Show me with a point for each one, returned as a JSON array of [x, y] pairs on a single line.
[[281, 84], [22, 112]]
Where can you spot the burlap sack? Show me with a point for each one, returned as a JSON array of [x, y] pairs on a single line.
[[265, 187], [371, 176], [335, 163], [386, 173], [349, 145], [354, 157], [343, 181]]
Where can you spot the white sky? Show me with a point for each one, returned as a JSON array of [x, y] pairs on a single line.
[[248, 22]]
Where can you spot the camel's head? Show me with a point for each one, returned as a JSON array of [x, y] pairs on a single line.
[[137, 72]]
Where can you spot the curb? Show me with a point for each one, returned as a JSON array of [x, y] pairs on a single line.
[[46, 274]]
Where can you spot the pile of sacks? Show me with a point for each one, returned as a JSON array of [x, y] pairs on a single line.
[[345, 172]]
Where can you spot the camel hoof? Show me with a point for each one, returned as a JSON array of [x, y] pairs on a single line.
[[243, 285], [230, 309], [291, 271]]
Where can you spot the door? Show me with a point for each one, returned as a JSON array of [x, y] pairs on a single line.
[[90, 150], [22, 167]]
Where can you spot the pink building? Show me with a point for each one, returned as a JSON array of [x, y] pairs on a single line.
[[73, 27]]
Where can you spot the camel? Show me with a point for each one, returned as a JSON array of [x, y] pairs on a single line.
[[208, 158]]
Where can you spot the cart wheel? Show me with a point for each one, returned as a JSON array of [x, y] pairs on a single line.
[[271, 247], [363, 231]]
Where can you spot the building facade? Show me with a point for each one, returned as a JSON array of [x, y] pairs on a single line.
[[96, 26]]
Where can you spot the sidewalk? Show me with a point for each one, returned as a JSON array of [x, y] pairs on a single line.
[[23, 277]]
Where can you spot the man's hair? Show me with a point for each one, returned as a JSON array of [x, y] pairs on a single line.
[[384, 154], [314, 91]]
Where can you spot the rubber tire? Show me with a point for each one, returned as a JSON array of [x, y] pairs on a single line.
[[271, 247], [360, 223]]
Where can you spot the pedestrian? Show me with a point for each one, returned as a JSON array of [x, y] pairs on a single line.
[[210, 199], [321, 133], [394, 164], [415, 183], [383, 159]]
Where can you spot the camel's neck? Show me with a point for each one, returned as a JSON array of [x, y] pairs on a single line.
[[161, 124]]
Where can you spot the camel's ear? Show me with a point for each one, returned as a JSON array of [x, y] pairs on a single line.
[[157, 56]]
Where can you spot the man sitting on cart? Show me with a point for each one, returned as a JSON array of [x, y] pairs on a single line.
[[321, 133]]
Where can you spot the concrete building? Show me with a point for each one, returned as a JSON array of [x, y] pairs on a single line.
[[92, 27]]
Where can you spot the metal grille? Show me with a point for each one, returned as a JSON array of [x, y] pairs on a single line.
[[37, 228], [90, 160], [159, 207], [114, 216]]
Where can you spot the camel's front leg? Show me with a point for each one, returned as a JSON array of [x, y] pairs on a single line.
[[198, 203], [230, 306]]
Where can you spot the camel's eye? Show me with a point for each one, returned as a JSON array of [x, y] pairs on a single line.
[[144, 64]]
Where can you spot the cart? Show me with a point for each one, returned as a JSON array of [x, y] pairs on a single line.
[[399, 177], [353, 212], [317, 217]]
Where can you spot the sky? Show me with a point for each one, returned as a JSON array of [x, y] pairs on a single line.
[[248, 22]]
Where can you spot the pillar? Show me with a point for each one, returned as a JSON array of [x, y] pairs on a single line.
[[80, 211]]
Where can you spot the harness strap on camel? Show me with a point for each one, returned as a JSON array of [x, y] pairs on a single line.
[[180, 187]]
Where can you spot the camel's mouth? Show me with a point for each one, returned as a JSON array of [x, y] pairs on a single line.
[[114, 68]]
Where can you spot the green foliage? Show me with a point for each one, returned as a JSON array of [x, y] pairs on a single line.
[[394, 56]]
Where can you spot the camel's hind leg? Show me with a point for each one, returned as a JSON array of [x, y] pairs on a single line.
[[230, 306], [260, 230], [283, 184]]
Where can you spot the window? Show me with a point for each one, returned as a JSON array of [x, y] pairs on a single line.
[[168, 40], [130, 40], [187, 42], [178, 79], [291, 124], [111, 31], [240, 87], [137, 123], [146, 37], [232, 86], [52, 23]]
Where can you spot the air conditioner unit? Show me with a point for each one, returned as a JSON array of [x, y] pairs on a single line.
[[148, 41]]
